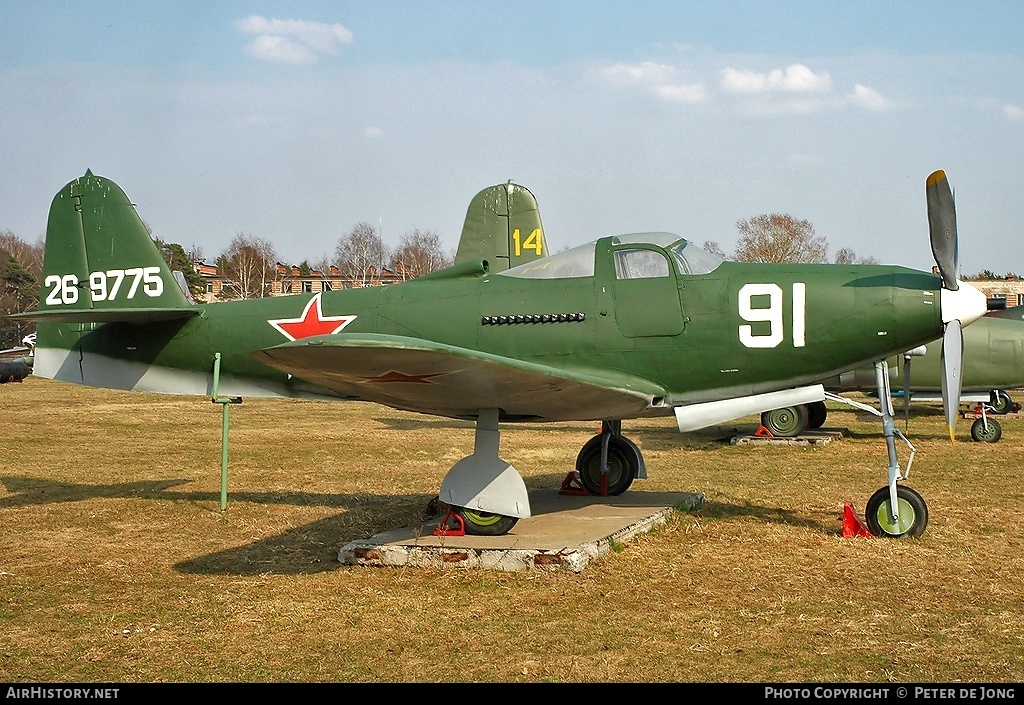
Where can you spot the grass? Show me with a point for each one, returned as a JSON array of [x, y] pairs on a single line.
[[117, 565]]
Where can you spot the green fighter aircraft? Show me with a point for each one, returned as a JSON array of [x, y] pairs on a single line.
[[620, 328]]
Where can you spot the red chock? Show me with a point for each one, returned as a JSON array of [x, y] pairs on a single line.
[[572, 485], [852, 524], [443, 529]]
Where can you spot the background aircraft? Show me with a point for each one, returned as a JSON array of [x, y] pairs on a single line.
[[619, 328], [993, 366], [16, 363]]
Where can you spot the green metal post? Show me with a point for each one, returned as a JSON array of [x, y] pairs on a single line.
[[224, 458]]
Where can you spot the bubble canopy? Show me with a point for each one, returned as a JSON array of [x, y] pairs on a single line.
[[579, 261]]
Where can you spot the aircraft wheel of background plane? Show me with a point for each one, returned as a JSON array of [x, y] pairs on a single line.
[[1002, 403], [816, 414], [786, 422], [987, 430], [913, 513], [623, 464]]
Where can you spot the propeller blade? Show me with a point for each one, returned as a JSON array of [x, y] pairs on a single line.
[[952, 359], [942, 228]]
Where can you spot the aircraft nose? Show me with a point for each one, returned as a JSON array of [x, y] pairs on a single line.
[[967, 304]]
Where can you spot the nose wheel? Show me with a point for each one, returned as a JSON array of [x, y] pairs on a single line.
[[913, 513]]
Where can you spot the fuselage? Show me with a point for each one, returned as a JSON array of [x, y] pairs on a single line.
[[705, 335]]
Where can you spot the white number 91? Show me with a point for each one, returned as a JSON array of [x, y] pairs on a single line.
[[772, 314]]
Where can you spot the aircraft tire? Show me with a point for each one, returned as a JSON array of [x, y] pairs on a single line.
[[1000, 402], [913, 514], [787, 422], [816, 414], [485, 523], [991, 435], [623, 465]]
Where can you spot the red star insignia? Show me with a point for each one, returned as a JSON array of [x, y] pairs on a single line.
[[311, 322], [393, 376]]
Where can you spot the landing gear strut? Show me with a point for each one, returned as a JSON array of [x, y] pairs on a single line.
[[894, 511]]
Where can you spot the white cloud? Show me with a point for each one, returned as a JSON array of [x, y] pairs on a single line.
[[796, 78], [868, 98], [292, 41], [660, 79], [682, 93], [373, 132], [647, 73], [280, 49], [1013, 113]]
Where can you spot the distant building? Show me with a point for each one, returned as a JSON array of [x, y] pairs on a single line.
[[1001, 292], [290, 279]]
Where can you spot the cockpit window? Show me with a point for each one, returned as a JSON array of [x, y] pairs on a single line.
[[579, 261], [692, 259], [640, 264]]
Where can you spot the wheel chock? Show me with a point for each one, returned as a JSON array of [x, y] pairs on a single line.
[[443, 529], [763, 432], [852, 524], [572, 485]]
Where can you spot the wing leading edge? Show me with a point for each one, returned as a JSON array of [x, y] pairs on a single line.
[[420, 375]]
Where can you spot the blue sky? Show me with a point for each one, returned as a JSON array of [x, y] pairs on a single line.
[[293, 122]]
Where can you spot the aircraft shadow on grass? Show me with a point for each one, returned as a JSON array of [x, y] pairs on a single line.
[[313, 547]]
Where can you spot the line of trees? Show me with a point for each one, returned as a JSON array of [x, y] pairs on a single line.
[[360, 255]]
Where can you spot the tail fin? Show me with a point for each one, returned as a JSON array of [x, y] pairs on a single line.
[[503, 227], [99, 262]]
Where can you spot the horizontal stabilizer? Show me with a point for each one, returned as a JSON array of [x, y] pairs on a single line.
[[108, 315]]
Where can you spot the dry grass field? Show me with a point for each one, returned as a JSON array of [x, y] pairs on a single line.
[[117, 564]]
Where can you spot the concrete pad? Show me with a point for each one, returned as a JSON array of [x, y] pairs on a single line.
[[818, 437], [565, 532]]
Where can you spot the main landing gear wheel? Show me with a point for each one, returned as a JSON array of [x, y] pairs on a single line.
[[623, 465], [787, 422], [913, 514], [484, 523], [987, 430], [816, 414]]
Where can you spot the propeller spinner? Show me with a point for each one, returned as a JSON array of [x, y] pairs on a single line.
[[961, 303]]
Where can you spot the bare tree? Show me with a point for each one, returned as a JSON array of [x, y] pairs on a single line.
[[715, 249], [361, 255], [779, 238], [419, 253], [250, 264], [847, 256]]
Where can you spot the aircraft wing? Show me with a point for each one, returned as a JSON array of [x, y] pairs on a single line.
[[424, 376]]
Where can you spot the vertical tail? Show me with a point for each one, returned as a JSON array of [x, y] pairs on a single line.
[[100, 266], [503, 227], [99, 263]]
